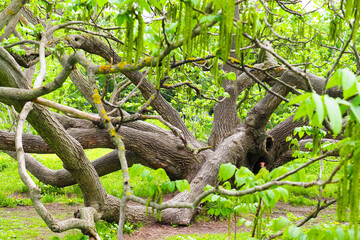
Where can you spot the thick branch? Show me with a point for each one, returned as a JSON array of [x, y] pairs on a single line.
[[10, 11], [260, 114], [152, 148], [95, 46], [225, 112]]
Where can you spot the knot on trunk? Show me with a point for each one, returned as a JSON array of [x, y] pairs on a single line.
[[268, 144]]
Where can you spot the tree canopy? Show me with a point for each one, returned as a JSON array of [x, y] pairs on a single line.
[[183, 85]]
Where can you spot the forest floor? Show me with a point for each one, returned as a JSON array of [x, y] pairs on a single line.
[[23, 217]]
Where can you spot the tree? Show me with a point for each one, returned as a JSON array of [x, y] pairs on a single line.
[[209, 54]]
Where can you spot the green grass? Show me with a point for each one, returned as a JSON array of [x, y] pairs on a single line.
[[222, 236], [24, 225], [308, 196], [13, 193]]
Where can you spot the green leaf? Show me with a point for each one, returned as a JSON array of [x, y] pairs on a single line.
[[120, 18], [214, 197], [241, 175], [135, 170], [273, 197], [283, 192], [227, 185], [294, 231], [248, 223], [145, 173], [217, 211], [309, 145], [355, 109], [226, 171], [335, 80], [252, 208], [155, 3], [101, 3], [182, 185], [262, 174], [211, 211], [315, 232], [195, 2], [299, 99], [340, 233], [241, 221], [152, 190], [319, 109], [168, 187], [334, 114], [208, 18], [265, 198], [143, 4], [277, 172], [305, 109], [280, 223], [231, 76], [348, 80]]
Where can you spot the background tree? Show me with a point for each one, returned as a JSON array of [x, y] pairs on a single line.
[[215, 74]]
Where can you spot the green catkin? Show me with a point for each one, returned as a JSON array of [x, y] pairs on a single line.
[[349, 5], [147, 206], [354, 185], [216, 72], [203, 6], [158, 68], [203, 33], [129, 40], [356, 22], [187, 29], [150, 73], [159, 211], [163, 67], [238, 39], [179, 27], [349, 187], [252, 20], [168, 63], [226, 29], [302, 28], [202, 41], [217, 5], [158, 75], [271, 16], [332, 30], [172, 13], [140, 38], [354, 193]]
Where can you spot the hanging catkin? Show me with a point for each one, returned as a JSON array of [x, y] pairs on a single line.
[[129, 39], [238, 39], [348, 188], [188, 29], [226, 28], [349, 8], [179, 26], [140, 38]]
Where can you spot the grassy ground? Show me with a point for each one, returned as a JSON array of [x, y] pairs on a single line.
[[14, 193]]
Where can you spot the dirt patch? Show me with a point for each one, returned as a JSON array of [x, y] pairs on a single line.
[[157, 231]]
